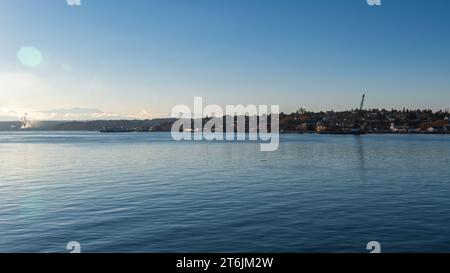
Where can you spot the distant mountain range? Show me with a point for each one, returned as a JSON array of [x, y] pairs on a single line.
[[94, 125]]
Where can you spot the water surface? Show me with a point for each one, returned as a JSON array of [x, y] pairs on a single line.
[[146, 193]]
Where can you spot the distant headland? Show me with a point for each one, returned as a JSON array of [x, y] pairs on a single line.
[[302, 121]]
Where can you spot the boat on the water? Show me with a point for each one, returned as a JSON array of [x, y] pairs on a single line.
[[354, 131], [116, 130]]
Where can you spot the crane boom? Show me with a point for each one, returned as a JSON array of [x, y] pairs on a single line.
[[362, 102]]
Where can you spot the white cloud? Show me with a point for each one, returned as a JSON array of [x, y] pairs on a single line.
[[14, 114], [61, 114]]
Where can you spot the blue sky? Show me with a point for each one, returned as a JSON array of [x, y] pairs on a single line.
[[139, 58]]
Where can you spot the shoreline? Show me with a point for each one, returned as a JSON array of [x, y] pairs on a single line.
[[281, 133]]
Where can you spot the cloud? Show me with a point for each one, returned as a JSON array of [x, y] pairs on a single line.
[[58, 114], [13, 114]]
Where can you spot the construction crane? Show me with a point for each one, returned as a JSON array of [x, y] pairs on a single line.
[[362, 103], [358, 127]]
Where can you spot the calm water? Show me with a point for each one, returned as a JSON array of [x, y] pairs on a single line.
[[146, 193]]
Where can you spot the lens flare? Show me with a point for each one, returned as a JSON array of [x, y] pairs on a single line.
[[30, 56]]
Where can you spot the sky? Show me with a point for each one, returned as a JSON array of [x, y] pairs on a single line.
[[139, 58]]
